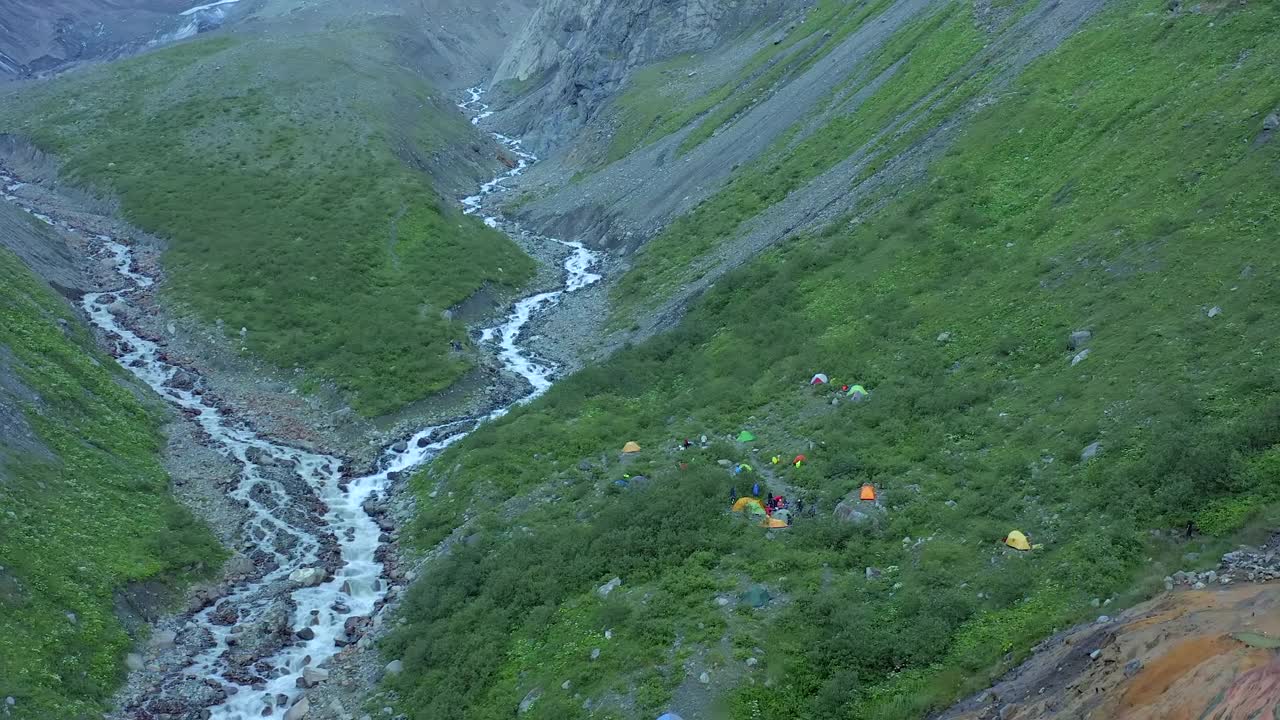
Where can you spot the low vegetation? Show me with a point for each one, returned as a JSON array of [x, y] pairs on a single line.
[[658, 100], [82, 517], [930, 50], [1096, 196], [279, 171]]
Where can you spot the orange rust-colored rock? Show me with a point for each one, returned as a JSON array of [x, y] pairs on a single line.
[[1171, 658]]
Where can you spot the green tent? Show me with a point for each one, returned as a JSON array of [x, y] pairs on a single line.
[[757, 596], [857, 391], [745, 436]]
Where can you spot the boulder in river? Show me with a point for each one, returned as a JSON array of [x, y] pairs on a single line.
[[307, 577]]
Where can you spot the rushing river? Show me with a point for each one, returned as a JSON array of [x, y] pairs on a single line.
[[307, 525]]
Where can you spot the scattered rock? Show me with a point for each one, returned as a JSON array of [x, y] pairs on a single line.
[[133, 661], [530, 699], [163, 639], [1271, 122], [395, 667], [1198, 586], [307, 577], [1132, 667], [595, 653], [1080, 356], [873, 573], [705, 678], [566, 685], [1078, 339], [752, 662], [944, 337], [1104, 619], [312, 677], [1094, 655], [609, 587], [299, 710], [1214, 311], [1090, 451], [724, 463]]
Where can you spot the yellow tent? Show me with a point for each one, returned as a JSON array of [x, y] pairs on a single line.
[[1017, 541], [774, 523], [748, 504], [631, 447]]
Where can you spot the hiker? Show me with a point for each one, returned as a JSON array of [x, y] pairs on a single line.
[[755, 490], [687, 444], [733, 494], [799, 506]]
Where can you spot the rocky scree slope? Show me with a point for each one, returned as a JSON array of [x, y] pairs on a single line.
[[571, 58], [42, 36]]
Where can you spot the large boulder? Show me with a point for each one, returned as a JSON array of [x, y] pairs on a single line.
[[609, 587], [307, 577], [299, 710]]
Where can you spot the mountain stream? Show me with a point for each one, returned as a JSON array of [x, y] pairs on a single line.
[[308, 532]]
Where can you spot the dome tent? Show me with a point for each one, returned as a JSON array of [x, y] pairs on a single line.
[[669, 716], [745, 437], [819, 379], [1017, 541], [631, 447]]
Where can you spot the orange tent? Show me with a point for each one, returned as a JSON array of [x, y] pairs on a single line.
[[868, 492], [631, 447]]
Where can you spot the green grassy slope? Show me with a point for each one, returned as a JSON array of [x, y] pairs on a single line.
[[78, 526], [930, 49], [653, 104], [279, 168], [1099, 195]]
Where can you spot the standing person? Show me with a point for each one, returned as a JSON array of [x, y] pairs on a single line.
[[733, 494], [799, 506], [755, 490]]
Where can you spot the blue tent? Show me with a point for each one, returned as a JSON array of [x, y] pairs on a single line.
[[670, 716]]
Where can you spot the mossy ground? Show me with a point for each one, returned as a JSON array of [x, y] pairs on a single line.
[[77, 527], [1124, 186], [279, 170]]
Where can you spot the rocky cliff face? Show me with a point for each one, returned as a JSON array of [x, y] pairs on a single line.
[[37, 36], [573, 56]]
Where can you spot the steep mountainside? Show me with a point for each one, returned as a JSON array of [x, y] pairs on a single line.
[[38, 36], [91, 542], [1048, 264], [1027, 248], [303, 169], [572, 57]]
